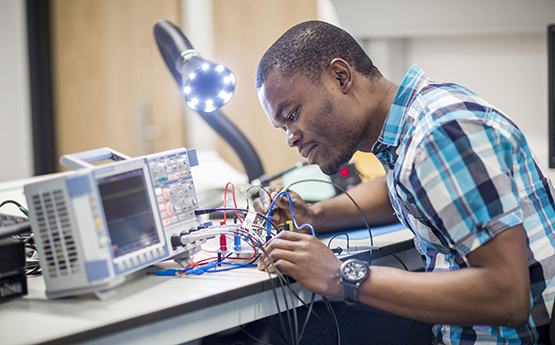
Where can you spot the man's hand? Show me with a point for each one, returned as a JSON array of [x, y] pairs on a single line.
[[306, 259], [282, 212]]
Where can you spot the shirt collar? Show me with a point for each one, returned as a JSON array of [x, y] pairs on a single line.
[[392, 129]]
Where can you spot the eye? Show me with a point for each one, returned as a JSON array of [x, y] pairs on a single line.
[[292, 116]]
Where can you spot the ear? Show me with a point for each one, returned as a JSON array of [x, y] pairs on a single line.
[[342, 73]]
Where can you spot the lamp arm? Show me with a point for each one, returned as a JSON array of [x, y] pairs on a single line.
[[238, 142], [172, 43]]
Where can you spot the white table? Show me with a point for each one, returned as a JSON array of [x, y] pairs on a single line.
[[152, 309]]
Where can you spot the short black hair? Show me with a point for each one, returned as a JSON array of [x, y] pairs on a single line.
[[309, 47]]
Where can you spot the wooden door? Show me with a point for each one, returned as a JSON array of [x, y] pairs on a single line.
[[243, 30], [111, 86]]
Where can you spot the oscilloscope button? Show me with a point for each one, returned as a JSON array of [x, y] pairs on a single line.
[[169, 209]]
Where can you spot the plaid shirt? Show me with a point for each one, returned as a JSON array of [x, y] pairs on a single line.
[[460, 172]]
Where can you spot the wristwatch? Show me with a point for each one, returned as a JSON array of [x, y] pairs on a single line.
[[352, 273]]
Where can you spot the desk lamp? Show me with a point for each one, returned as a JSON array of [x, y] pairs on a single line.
[[206, 87]]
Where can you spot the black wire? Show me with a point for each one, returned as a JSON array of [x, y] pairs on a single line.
[[255, 338], [312, 312], [395, 256], [332, 313], [281, 279], [255, 186], [334, 236], [21, 208], [311, 305], [330, 309], [347, 194]]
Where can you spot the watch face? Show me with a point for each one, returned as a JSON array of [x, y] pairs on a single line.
[[354, 270]]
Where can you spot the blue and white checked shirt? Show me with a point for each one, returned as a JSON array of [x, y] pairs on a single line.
[[460, 172]]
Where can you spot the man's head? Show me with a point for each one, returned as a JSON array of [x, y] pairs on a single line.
[[308, 48], [312, 82]]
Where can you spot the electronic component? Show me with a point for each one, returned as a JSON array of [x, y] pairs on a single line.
[[99, 223], [346, 178], [11, 225], [13, 282]]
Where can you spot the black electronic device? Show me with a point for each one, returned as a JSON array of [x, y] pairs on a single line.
[[13, 282], [346, 178], [551, 92], [12, 225]]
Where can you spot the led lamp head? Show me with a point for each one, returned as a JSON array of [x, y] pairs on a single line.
[[206, 86]]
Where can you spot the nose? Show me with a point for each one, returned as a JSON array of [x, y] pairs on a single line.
[[293, 137]]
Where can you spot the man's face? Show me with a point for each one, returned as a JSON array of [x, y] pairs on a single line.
[[316, 118]]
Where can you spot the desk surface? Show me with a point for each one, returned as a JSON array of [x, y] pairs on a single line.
[[148, 309]]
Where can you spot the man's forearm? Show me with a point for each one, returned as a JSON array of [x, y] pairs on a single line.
[[341, 213], [494, 291]]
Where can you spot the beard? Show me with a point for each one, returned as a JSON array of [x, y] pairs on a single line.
[[342, 159], [345, 155]]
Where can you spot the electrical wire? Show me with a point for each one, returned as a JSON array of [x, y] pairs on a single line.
[[234, 201], [283, 284], [346, 193], [21, 208], [269, 214], [255, 186], [294, 335], [334, 236], [332, 313], [216, 209], [32, 268]]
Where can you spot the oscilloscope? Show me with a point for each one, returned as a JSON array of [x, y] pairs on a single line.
[[99, 223]]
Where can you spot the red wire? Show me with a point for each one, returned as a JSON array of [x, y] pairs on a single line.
[[234, 201]]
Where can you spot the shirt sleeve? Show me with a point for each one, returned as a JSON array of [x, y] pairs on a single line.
[[462, 182]]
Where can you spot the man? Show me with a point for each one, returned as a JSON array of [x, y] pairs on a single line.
[[459, 174]]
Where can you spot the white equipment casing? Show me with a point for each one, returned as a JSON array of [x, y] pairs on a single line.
[[94, 226]]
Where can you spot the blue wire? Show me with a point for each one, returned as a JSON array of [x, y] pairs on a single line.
[[202, 269], [292, 213]]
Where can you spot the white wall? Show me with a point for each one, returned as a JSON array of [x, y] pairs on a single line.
[[15, 126], [507, 65], [509, 71], [498, 48]]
